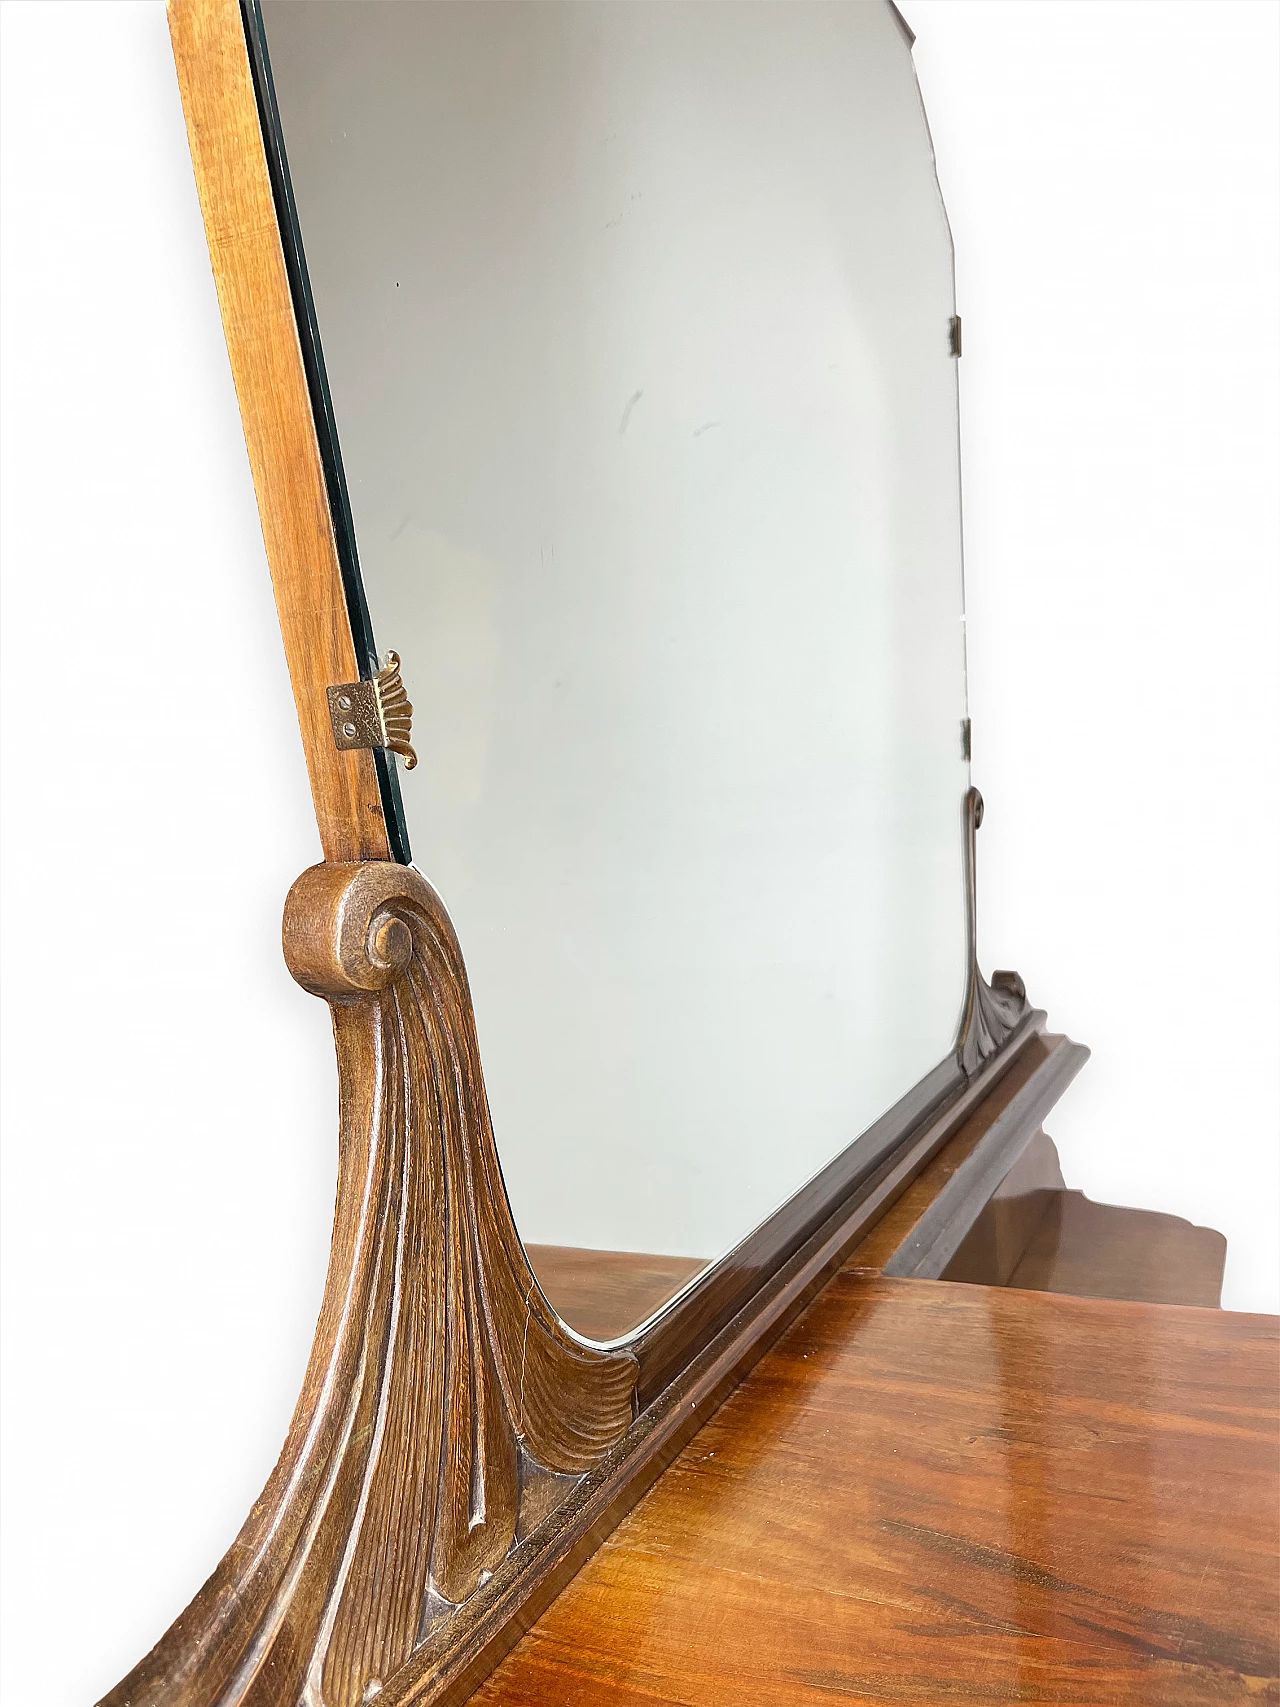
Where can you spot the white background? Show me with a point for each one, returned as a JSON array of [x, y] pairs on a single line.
[[1110, 171]]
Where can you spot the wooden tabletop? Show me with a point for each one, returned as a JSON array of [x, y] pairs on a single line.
[[935, 1494]]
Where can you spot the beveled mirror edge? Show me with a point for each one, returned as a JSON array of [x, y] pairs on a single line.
[[323, 418], [227, 1647], [1007, 1100]]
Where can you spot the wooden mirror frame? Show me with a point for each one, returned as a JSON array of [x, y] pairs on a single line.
[[457, 1452]]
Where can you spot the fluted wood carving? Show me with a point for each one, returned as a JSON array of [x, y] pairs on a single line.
[[442, 1393], [992, 1011]]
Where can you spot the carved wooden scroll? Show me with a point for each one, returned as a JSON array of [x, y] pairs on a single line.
[[991, 1011], [443, 1395]]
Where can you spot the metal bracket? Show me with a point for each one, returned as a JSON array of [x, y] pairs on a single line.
[[376, 713]]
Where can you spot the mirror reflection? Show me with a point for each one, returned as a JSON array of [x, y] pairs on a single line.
[[637, 322]]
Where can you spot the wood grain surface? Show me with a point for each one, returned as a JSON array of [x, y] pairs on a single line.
[[887, 1236], [1100, 1250], [275, 406], [446, 1670], [1029, 1070], [936, 1494], [925, 1493], [1034, 1234], [445, 1409], [605, 1294], [998, 1239]]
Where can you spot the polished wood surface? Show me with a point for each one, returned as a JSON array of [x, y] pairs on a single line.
[[932, 1494], [455, 1455], [458, 1654], [890, 1232], [445, 1409], [1098, 1250], [605, 1294], [450, 1440], [1005, 1098], [1033, 1233], [998, 1239], [929, 1247], [275, 406]]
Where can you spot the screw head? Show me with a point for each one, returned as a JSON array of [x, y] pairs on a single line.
[[349, 730], [344, 702]]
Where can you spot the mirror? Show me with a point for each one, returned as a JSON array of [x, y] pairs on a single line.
[[637, 323]]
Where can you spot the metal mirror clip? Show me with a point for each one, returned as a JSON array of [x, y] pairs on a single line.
[[374, 713]]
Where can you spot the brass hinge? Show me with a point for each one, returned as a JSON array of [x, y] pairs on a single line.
[[374, 714], [955, 334]]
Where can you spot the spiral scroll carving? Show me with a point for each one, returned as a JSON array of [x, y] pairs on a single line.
[[442, 1390]]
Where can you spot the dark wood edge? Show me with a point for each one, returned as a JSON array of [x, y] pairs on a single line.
[[692, 1353], [938, 1104], [444, 1405], [931, 1244], [445, 1672]]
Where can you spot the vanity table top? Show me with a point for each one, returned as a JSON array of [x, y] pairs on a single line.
[[934, 1493]]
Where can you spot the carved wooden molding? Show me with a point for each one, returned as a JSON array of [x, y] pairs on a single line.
[[445, 1408], [992, 1011], [456, 1452]]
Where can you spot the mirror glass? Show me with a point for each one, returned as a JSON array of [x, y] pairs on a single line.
[[637, 322]]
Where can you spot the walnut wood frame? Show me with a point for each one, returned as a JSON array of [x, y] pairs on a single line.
[[456, 1452]]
